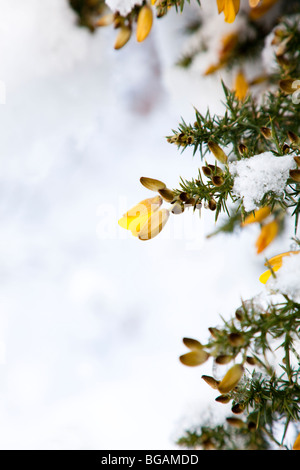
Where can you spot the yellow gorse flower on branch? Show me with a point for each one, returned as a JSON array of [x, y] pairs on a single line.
[[267, 234], [257, 216], [230, 8], [261, 8], [275, 263], [241, 86], [144, 220], [144, 23]]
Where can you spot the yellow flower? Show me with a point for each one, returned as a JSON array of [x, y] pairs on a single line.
[[241, 86], [275, 263], [228, 43], [144, 23], [267, 234], [258, 215], [296, 445], [230, 9], [196, 356], [138, 216], [231, 378], [261, 8]]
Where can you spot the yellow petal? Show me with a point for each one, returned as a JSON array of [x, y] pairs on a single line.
[[277, 260], [267, 234], [144, 23], [264, 277], [194, 358], [236, 6], [143, 210], [257, 216], [296, 445], [261, 9], [221, 5], [231, 378], [229, 41], [154, 225], [231, 9], [241, 86], [122, 37]]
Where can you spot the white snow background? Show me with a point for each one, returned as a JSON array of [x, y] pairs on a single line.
[[92, 319]]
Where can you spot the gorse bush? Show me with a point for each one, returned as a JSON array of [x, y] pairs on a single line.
[[249, 174]]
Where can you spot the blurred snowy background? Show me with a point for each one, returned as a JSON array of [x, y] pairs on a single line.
[[92, 319]]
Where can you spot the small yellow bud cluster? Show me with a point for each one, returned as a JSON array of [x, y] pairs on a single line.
[[226, 385], [197, 354], [144, 220], [182, 139], [214, 173], [178, 201], [143, 18]]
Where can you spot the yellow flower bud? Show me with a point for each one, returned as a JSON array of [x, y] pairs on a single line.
[[223, 399], [266, 132], [236, 339], [231, 378], [251, 360], [167, 194], [194, 358], [238, 408], [214, 332], [295, 175], [144, 23], [241, 86], [223, 359], [217, 180], [294, 138], [197, 355], [152, 184], [213, 383], [106, 20], [212, 204], [288, 85], [192, 344], [297, 160], [236, 422], [122, 37], [217, 151]]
